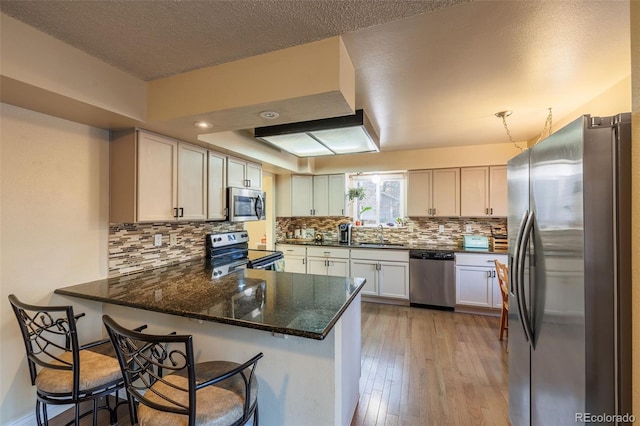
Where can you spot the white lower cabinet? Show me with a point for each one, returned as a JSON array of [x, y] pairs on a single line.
[[367, 269], [386, 272], [295, 258], [328, 261], [477, 281]]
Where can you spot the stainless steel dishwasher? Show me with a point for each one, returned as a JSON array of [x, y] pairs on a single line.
[[432, 279]]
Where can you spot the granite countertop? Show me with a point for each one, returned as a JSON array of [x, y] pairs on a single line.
[[408, 246], [279, 302]]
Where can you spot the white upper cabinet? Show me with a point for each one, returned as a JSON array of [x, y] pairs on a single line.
[[217, 209], [192, 182], [306, 195], [320, 195], [498, 191], [329, 195], [446, 192], [483, 191], [301, 195], [419, 192], [155, 178], [337, 195], [433, 192], [243, 174]]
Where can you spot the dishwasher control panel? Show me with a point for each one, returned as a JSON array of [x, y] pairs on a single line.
[[431, 254]]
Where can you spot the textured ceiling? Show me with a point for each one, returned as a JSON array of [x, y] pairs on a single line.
[[157, 38], [428, 73]]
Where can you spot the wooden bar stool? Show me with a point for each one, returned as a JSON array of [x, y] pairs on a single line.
[[503, 281]]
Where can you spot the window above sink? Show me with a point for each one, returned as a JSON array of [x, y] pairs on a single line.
[[384, 201]]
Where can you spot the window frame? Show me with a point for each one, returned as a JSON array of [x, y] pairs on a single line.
[[401, 176]]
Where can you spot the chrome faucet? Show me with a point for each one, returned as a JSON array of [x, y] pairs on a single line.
[[381, 233]]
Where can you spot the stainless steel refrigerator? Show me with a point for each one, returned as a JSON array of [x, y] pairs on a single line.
[[569, 229]]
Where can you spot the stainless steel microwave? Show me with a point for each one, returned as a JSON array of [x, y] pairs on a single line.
[[245, 204]]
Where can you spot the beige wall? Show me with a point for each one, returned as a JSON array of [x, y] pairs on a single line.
[[54, 215], [635, 199], [38, 60], [258, 229], [457, 156], [612, 101]]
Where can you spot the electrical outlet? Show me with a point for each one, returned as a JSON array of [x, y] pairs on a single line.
[[173, 239], [157, 240], [467, 228], [441, 228], [410, 228]]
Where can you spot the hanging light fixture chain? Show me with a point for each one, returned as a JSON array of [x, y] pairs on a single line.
[[546, 131], [548, 127], [504, 123]]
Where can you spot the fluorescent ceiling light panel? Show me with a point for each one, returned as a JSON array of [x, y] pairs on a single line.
[[299, 144], [348, 140], [348, 134]]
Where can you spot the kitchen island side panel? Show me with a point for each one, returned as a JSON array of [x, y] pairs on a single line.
[[302, 381]]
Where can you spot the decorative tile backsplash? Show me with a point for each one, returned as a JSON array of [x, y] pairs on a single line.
[[417, 230], [131, 246]]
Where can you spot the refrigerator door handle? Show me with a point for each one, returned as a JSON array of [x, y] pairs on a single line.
[[513, 270], [522, 251]]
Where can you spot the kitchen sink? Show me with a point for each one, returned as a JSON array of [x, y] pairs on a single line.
[[379, 245]]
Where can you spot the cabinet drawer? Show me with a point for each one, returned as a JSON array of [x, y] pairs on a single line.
[[289, 250], [328, 252], [381, 254], [484, 259]]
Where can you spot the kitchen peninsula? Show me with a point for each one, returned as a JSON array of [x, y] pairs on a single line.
[[308, 327]]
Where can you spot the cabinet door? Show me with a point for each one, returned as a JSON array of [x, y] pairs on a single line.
[[192, 182], [338, 267], [296, 264], [317, 265], [320, 195], [446, 192], [394, 279], [337, 195], [367, 270], [473, 285], [253, 174], [301, 195], [419, 192], [498, 190], [217, 187], [236, 172], [474, 191], [157, 178]]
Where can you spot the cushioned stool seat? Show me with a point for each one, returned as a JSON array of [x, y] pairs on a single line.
[[96, 371]]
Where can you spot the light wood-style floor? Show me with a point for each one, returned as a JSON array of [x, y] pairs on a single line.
[[429, 367], [421, 367]]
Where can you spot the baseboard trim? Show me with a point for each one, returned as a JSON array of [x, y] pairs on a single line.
[[52, 411], [30, 419], [385, 300], [493, 312]]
